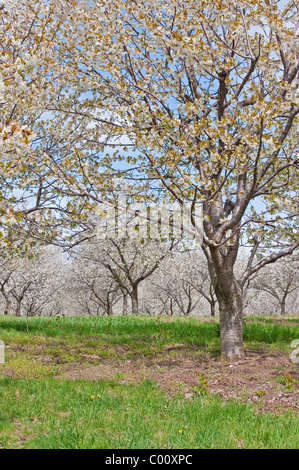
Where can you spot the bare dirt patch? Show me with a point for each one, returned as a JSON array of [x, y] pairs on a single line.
[[254, 379]]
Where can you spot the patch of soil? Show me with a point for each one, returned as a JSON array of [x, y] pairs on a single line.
[[252, 379], [7, 372]]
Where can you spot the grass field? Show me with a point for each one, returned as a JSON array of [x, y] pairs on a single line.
[[142, 382]]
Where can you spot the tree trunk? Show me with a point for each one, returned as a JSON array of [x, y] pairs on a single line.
[[230, 299], [109, 307], [212, 301], [171, 307], [7, 309], [213, 308], [125, 304], [134, 299], [18, 308], [283, 308]]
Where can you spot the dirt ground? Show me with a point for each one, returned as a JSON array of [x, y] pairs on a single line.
[[269, 380]]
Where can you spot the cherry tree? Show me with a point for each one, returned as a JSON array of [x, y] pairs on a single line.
[[27, 28], [128, 262], [203, 99], [199, 278], [90, 284], [33, 286], [279, 281], [6, 287], [180, 285]]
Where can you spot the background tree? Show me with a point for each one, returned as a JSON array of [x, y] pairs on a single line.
[[33, 286], [280, 281], [180, 285], [127, 262], [91, 284], [199, 278]]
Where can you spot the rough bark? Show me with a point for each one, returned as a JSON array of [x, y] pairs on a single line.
[[125, 305], [230, 299], [109, 306], [7, 309], [213, 308], [18, 308], [212, 301], [283, 307], [134, 299]]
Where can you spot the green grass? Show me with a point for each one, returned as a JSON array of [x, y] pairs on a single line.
[[63, 340], [279, 336], [61, 414], [119, 330], [40, 411], [139, 333]]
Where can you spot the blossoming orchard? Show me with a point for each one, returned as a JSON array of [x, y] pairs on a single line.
[[192, 103]]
